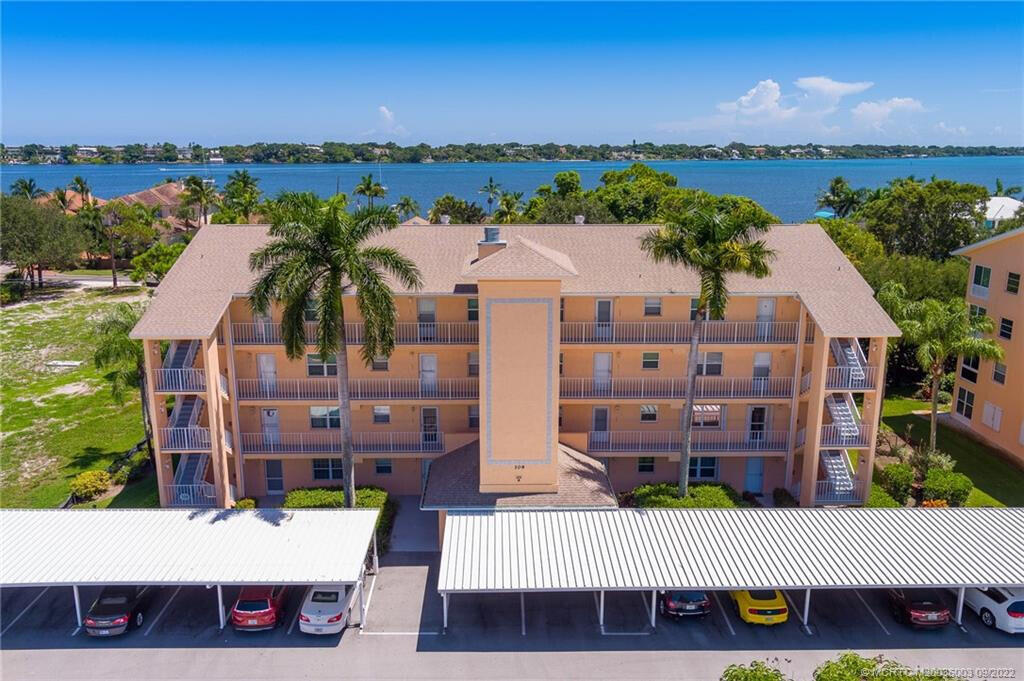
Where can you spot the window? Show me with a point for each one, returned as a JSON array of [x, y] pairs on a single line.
[[969, 369], [381, 414], [645, 464], [474, 416], [693, 311], [382, 466], [309, 314], [473, 309], [999, 373], [327, 469], [324, 417], [978, 310], [982, 277], [992, 416], [709, 364], [379, 363], [1013, 282], [965, 403], [318, 367], [708, 416], [473, 364], [651, 360], [652, 307], [648, 413], [1006, 328], [703, 468]]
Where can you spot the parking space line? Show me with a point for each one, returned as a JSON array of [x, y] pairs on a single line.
[[27, 608], [872, 612], [399, 633], [75, 632], [298, 611], [803, 625], [725, 615], [162, 611], [369, 598]]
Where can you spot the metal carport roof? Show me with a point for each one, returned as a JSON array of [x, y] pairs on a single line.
[[798, 548], [183, 546]]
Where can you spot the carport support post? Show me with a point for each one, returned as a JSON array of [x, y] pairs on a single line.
[[362, 603], [376, 566], [654, 608], [220, 606], [444, 598], [600, 613], [960, 606], [522, 611], [78, 605], [807, 605]]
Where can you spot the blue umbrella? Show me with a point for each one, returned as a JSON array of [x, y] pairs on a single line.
[[826, 214]]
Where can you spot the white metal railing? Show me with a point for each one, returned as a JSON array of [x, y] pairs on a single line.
[[850, 377], [725, 387], [359, 389], [809, 333], [801, 437], [805, 382], [678, 332], [223, 384], [195, 438], [229, 439], [406, 333], [841, 436], [830, 492], [700, 441], [180, 380], [200, 495], [708, 387], [330, 442]]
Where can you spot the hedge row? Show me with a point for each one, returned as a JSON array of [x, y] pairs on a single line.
[[948, 486], [896, 479], [699, 495]]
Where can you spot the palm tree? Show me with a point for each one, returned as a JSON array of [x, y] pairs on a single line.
[[27, 188], [60, 198], [941, 330], [123, 356], [407, 207], [370, 188], [508, 208], [318, 252], [241, 181], [840, 197], [713, 244], [122, 222], [492, 189], [200, 194], [1006, 191], [79, 185]]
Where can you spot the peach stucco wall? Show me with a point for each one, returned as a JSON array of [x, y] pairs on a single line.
[[731, 470], [298, 472]]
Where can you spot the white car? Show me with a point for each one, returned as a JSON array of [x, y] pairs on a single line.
[[325, 609], [998, 607]]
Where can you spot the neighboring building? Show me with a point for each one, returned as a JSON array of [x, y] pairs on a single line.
[[988, 396], [75, 200], [1000, 208], [416, 220], [167, 197], [539, 366]]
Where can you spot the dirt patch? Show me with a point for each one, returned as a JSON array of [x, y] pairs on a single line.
[[30, 468], [69, 389]]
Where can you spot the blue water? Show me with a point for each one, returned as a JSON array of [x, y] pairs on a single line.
[[786, 188]]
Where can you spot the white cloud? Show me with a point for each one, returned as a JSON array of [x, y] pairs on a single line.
[[876, 114], [762, 101], [386, 125], [951, 129], [833, 90]]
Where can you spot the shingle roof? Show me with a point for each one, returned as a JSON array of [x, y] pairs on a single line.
[[606, 258], [454, 482], [167, 194], [522, 258]]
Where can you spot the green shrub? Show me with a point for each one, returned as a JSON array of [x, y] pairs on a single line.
[[315, 497], [951, 487], [90, 484], [755, 671], [120, 476], [245, 503], [896, 479], [879, 498], [946, 382], [334, 497], [945, 397], [853, 667], [783, 499], [12, 292], [699, 495]]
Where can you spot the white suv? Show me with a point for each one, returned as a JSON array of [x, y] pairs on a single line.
[[998, 607]]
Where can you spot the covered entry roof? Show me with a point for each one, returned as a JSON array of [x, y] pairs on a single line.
[[183, 546], [641, 549]]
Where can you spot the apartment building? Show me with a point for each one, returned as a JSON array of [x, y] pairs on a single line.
[[538, 366], [988, 397]]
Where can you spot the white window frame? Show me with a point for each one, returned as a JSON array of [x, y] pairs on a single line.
[[380, 363], [969, 365], [1015, 278], [999, 369], [980, 290], [380, 464], [703, 414], [381, 414], [318, 367], [646, 410], [700, 465], [329, 415], [642, 462], [966, 398], [652, 307], [473, 419], [473, 363], [335, 469], [1006, 328], [646, 357], [472, 309], [702, 363]]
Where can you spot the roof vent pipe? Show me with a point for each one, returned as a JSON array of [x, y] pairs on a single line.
[[579, 219], [446, 219], [492, 235]]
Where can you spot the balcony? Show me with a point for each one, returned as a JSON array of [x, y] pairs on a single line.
[[851, 378], [843, 436], [708, 387], [191, 439], [406, 333], [330, 443], [839, 492], [678, 332], [201, 495], [359, 389], [180, 380], [701, 441]]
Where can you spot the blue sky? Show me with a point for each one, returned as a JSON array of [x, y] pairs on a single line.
[[573, 73]]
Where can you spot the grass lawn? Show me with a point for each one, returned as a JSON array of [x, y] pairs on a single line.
[[997, 482], [140, 494], [57, 422], [84, 272]]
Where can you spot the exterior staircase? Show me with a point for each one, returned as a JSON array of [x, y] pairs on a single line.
[[844, 414], [837, 471], [181, 354]]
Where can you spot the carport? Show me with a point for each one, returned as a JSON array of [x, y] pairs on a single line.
[[650, 550], [187, 547]]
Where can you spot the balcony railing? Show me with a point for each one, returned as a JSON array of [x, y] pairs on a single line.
[[191, 496], [700, 441], [850, 378], [359, 389], [839, 492], [708, 387], [805, 382], [192, 439], [801, 437], [330, 443], [406, 333], [678, 332], [180, 380], [836, 436]]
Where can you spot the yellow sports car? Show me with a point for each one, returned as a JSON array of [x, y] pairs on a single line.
[[763, 606]]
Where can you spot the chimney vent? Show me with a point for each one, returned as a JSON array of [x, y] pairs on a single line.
[[491, 235], [446, 219], [579, 219]]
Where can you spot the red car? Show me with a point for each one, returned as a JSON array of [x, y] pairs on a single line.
[[919, 607], [259, 608]]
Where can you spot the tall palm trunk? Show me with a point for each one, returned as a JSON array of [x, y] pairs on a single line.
[[345, 417], [935, 411], [691, 391], [113, 263], [147, 426]]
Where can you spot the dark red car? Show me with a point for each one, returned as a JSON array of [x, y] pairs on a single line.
[[684, 603], [919, 607], [259, 608]]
